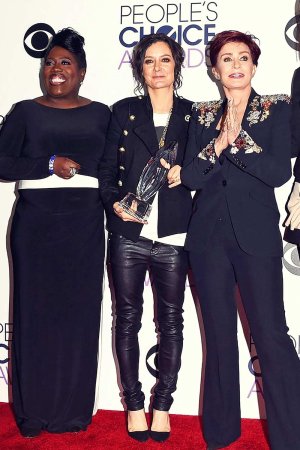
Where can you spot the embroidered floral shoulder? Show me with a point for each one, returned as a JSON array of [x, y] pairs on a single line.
[[207, 111], [260, 107]]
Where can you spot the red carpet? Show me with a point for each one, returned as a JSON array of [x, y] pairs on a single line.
[[107, 431]]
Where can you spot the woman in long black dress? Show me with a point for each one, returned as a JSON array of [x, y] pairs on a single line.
[[53, 145]]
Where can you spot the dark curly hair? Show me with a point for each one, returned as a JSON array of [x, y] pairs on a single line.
[[70, 40], [224, 37], [138, 56]]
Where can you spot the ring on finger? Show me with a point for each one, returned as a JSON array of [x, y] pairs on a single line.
[[73, 171]]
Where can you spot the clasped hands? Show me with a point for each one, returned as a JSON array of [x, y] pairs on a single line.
[[229, 128]]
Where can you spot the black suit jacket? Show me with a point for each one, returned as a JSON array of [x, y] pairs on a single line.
[[245, 175], [131, 142]]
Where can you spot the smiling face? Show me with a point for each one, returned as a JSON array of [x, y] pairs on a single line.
[[234, 67], [158, 66], [62, 75]]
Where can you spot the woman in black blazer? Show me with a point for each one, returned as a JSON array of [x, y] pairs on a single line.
[[139, 127], [239, 151]]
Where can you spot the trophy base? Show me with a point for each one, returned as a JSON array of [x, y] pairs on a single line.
[[135, 207]]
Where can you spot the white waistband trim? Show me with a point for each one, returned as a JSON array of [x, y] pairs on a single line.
[[54, 181]]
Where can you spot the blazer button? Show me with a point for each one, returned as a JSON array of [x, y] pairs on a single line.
[[224, 182], [122, 149], [125, 132]]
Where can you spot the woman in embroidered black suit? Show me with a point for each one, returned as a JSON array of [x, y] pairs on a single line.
[[239, 151], [138, 128]]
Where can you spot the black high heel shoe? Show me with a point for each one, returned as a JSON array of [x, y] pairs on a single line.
[[159, 436], [140, 436]]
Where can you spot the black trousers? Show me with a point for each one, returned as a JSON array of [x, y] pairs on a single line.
[[217, 271], [168, 267]]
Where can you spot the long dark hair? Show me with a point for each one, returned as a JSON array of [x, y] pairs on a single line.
[[138, 56]]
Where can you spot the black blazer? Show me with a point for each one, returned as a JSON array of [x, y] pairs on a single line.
[[245, 175], [131, 142]]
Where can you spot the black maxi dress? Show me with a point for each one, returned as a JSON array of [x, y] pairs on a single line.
[[57, 244]]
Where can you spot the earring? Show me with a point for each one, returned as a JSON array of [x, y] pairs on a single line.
[[81, 82], [217, 76]]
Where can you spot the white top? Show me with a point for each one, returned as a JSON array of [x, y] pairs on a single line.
[[53, 181], [149, 230], [160, 120]]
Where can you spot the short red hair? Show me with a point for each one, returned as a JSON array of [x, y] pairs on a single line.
[[224, 37]]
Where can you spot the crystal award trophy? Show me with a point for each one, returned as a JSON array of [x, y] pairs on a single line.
[[151, 180]]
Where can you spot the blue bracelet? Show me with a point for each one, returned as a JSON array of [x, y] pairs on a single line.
[[51, 164]]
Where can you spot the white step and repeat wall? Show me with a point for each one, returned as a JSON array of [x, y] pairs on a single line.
[[110, 32]]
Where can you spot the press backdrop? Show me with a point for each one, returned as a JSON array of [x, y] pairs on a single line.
[[110, 32]]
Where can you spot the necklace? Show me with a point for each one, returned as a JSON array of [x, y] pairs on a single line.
[[163, 137]]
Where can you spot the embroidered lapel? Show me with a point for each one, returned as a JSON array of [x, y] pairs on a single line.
[[258, 108], [208, 112]]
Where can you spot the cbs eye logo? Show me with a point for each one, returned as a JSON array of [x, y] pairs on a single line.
[[152, 360], [292, 32], [291, 259], [254, 366], [36, 39], [4, 359], [168, 30]]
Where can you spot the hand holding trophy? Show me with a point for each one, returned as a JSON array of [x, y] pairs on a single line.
[[151, 180]]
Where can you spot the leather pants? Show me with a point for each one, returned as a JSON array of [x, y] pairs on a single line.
[[168, 267]]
